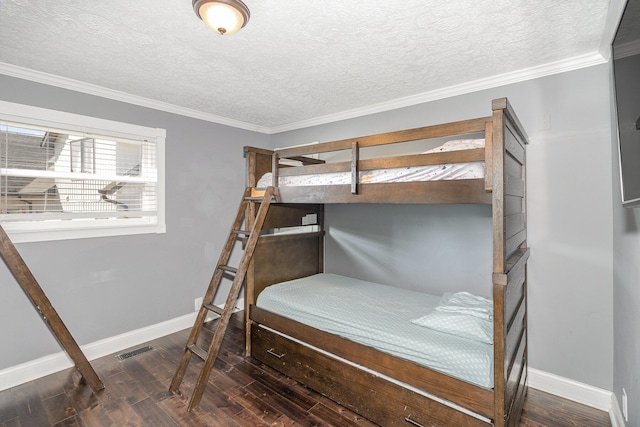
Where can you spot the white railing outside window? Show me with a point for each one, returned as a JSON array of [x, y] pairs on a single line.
[[68, 176]]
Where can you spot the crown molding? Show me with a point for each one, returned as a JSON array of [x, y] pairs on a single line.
[[557, 67], [91, 89], [614, 15]]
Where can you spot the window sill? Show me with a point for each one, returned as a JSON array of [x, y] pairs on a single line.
[[21, 234]]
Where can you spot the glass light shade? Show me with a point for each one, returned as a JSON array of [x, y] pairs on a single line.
[[224, 17]]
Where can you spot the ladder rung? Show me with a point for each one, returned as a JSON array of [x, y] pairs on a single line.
[[227, 268], [241, 232], [210, 355], [213, 308], [202, 354]]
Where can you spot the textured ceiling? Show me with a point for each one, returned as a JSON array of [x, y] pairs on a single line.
[[296, 60]]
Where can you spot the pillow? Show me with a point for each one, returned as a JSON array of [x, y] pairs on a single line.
[[460, 325], [458, 144], [466, 303]]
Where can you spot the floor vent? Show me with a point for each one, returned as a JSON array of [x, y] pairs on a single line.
[[135, 352]]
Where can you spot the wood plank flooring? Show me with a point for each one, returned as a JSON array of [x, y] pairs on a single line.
[[241, 392]]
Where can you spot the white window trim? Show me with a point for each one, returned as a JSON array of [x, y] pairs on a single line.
[[38, 231]]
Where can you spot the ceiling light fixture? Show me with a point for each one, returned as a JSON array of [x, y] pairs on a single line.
[[222, 16]]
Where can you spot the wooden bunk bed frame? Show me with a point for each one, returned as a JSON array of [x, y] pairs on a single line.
[[383, 388]]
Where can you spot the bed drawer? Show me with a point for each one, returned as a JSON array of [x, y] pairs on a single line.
[[375, 398]]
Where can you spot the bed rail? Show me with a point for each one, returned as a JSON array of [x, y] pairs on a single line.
[[510, 255], [428, 132]]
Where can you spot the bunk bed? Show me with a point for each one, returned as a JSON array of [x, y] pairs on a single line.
[[393, 389]]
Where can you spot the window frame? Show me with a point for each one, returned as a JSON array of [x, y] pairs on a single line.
[[38, 231]]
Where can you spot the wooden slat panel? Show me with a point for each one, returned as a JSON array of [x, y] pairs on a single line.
[[512, 145], [513, 205], [515, 333], [518, 259], [477, 399], [512, 296], [515, 293], [512, 167], [513, 224], [376, 399], [515, 374], [518, 400], [287, 257], [513, 243], [437, 131], [507, 291], [514, 186], [514, 269], [458, 191], [517, 285]]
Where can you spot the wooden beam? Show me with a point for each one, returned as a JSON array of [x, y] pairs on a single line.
[[40, 301]]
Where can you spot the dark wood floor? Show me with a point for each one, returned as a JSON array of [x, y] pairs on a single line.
[[241, 392]]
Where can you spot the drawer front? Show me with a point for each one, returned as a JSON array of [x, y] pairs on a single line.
[[374, 398]]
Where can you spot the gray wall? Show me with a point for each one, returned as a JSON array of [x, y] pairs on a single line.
[[626, 277], [569, 189], [151, 278]]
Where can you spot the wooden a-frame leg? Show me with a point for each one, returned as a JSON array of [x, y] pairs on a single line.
[[40, 301]]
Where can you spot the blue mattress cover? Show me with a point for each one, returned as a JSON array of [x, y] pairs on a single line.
[[380, 316]]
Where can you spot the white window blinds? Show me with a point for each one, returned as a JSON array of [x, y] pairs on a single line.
[[59, 175]]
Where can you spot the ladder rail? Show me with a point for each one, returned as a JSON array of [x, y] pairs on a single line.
[[210, 294], [227, 311], [223, 322]]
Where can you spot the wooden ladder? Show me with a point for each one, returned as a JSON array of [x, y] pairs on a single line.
[[209, 357], [39, 299]]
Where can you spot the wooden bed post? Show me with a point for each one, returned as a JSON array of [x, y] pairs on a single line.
[[510, 254], [355, 157], [40, 301]]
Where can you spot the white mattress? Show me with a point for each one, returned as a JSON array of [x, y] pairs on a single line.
[[380, 316], [452, 171]]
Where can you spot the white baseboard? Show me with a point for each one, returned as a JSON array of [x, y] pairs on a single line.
[[50, 364], [570, 389], [617, 419], [585, 394]]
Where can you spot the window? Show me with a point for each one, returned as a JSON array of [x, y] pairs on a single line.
[[65, 176]]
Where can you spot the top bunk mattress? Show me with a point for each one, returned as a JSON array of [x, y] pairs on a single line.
[[451, 171], [380, 316]]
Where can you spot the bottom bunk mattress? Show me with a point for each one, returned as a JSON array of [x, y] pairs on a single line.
[[384, 317]]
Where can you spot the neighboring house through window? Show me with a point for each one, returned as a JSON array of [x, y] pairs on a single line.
[[68, 176]]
